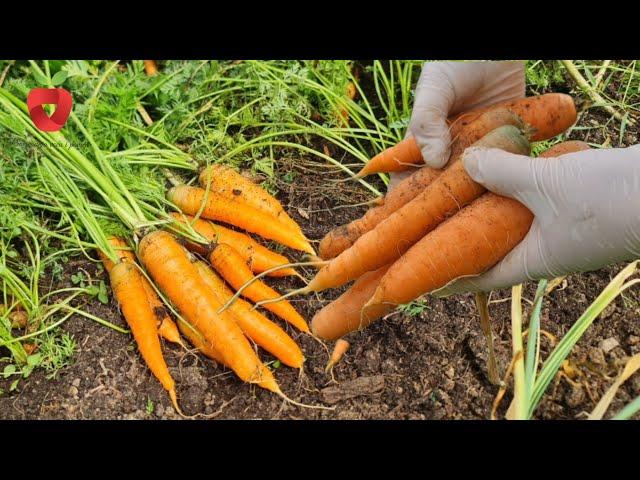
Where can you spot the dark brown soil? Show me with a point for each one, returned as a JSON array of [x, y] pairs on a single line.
[[429, 366]]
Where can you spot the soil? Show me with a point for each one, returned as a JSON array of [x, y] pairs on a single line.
[[427, 366]]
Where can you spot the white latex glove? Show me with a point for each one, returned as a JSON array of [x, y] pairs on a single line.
[[448, 88], [586, 207]]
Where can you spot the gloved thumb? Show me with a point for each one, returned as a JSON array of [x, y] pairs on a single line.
[[428, 124], [432, 136], [501, 172]]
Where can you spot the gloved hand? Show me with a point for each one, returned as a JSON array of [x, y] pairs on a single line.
[[586, 207], [448, 88]]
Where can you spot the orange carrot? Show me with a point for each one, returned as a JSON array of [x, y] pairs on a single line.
[[227, 182], [169, 331], [169, 265], [545, 116], [229, 264], [128, 288], [451, 191], [339, 350], [344, 314], [217, 207], [150, 67], [469, 243], [397, 158], [166, 328], [122, 250], [562, 148], [197, 340], [257, 257], [256, 326]]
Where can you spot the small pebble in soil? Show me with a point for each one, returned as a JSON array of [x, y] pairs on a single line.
[[450, 372], [633, 340], [608, 344], [596, 355], [76, 382]]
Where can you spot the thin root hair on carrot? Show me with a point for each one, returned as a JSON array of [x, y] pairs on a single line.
[[263, 274], [304, 405]]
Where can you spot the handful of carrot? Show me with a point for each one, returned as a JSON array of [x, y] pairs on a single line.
[[436, 225], [200, 292]]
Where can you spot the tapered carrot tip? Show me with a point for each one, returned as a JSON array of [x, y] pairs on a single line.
[[174, 400]]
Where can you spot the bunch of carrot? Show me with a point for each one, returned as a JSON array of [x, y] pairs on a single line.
[[436, 225], [209, 316]]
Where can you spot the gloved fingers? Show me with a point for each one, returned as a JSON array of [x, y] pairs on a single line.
[[501, 82], [504, 173], [434, 98]]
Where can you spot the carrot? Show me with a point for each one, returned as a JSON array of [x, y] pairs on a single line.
[[168, 263], [451, 191], [227, 182], [256, 326], [166, 327], [229, 264], [169, 331], [339, 350], [562, 148], [128, 288], [469, 243], [257, 257], [150, 67], [545, 116], [343, 315], [122, 251], [397, 158], [341, 238], [197, 340], [217, 207]]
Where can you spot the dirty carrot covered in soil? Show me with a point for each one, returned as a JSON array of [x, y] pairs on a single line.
[[469, 243], [229, 264], [256, 326], [256, 256], [545, 116], [341, 238], [217, 207], [227, 182], [446, 195], [169, 265], [128, 288]]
